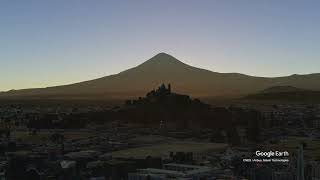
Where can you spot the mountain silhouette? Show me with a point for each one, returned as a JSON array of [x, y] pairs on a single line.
[[164, 68]]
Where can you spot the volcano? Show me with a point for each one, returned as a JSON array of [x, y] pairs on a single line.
[[164, 68]]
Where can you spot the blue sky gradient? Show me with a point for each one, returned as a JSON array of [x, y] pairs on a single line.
[[55, 42]]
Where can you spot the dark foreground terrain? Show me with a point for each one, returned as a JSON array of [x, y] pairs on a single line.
[[163, 135]]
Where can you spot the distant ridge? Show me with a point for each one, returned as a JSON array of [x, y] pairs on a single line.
[[164, 68], [280, 89], [286, 93]]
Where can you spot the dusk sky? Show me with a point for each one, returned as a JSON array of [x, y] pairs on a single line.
[[55, 42]]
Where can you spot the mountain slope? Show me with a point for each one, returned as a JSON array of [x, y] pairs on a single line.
[[164, 68]]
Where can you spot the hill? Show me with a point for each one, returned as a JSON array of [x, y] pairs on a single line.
[[281, 89], [286, 93], [164, 68]]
